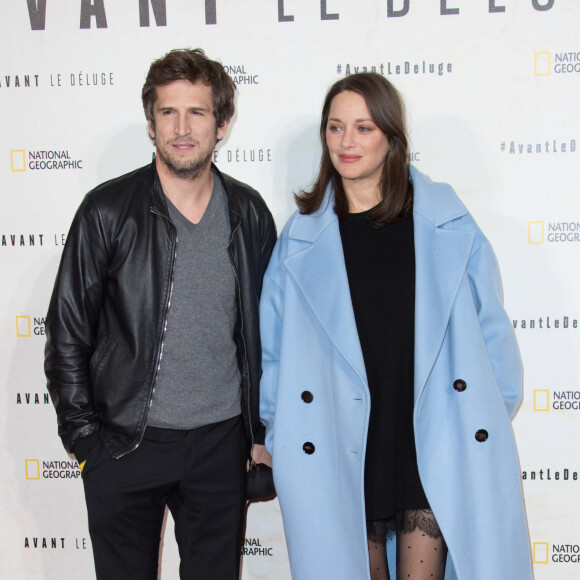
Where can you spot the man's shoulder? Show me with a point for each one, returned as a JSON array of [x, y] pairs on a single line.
[[244, 200], [123, 186], [238, 188]]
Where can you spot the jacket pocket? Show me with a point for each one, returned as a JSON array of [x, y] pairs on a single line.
[[102, 352]]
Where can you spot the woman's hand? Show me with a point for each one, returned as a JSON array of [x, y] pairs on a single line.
[[260, 455]]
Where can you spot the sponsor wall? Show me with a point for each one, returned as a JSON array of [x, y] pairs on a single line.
[[492, 93]]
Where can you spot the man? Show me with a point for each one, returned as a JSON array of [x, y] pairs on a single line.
[[153, 349]]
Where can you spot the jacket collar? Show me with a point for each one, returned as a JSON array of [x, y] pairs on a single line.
[[441, 255], [159, 205], [427, 203], [436, 202], [318, 270], [234, 208]]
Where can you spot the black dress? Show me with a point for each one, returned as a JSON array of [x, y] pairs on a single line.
[[380, 263]]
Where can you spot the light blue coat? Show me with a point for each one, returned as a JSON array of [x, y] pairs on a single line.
[[310, 343]]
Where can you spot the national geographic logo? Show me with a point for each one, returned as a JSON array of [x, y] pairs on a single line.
[[253, 547], [559, 400], [35, 469], [541, 232], [548, 146], [256, 155], [546, 323], [240, 76], [550, 474], [42, 160], [403, 67], [542, 63], [558, 554], [546, 63], [17, 160], [27, 326]]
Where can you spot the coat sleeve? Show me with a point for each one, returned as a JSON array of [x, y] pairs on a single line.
[[271, 305], [498, 332], [70, 325]]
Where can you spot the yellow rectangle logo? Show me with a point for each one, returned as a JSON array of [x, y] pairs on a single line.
[[541, 550], [32, 467], [542, 63], [535, 232], [541, 399], [17, 160], [23, 326]]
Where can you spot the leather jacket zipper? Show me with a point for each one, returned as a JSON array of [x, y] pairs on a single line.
[[161, 344]]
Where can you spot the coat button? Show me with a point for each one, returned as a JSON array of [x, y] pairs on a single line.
[[307, 397], [308, 448], [481, 435], [459, 385]]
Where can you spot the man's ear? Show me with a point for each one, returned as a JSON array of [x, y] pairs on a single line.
[[151, 129], [222, 130]]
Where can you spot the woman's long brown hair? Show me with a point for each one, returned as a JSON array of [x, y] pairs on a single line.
[[387, 111]]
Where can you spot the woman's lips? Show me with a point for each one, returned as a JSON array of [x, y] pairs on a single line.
[[349, 158]]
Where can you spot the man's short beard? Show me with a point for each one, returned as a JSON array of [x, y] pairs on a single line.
[[189, 172]]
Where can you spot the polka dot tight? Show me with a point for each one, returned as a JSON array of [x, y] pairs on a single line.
[[421, 549]]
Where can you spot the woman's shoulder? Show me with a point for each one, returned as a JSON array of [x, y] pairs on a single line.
[[435, 199], [439, 203]]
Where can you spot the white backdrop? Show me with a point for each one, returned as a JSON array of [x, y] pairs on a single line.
[[492, 90]]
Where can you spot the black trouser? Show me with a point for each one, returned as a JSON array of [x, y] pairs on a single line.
[[199, 474]]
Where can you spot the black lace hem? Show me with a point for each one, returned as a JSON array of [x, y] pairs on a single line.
[[404, 522]]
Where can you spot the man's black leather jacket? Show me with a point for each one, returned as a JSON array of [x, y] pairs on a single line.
[[106, 319]]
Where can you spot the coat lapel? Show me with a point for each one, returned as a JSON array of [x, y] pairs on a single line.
[[316, 265], [441, 256], [318, 270]]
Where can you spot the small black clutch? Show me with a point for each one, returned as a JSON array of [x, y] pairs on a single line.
[[260, 484]]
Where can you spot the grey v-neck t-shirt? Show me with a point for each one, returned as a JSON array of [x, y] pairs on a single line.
[[199, 380]]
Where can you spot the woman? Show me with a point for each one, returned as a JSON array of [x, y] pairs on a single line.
[[390, 369]]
